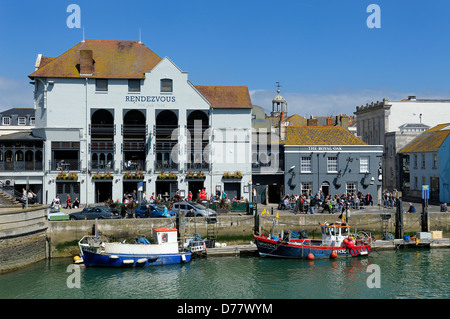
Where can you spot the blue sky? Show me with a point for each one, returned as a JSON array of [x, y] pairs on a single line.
[[321, 51]]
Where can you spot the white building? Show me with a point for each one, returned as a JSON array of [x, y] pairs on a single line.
[[119, 115], [383, 123]]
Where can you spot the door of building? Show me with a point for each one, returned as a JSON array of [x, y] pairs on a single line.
[[65, 188]]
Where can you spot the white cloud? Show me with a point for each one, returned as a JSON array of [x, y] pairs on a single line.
[[15, 93], [339, 101]]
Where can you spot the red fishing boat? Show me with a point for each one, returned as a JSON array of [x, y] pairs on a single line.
[[336, 242]]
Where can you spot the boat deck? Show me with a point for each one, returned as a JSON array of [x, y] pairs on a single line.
[[251, 249]]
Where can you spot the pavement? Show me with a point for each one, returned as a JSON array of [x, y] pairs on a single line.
[[368, 209]]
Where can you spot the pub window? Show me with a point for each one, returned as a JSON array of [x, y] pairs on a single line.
[[166, 85], [332, 164], [134, 85], [101, 85], [364, 164], [305, 165], [306, 188]]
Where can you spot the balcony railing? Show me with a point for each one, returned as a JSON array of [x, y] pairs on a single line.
[[133, 165], [68, 165], [101, 165], [197, 166], [166, 166], [21, 166]]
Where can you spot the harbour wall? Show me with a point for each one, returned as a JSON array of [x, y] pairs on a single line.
[[26, 236], [61, 232], [23, 237]]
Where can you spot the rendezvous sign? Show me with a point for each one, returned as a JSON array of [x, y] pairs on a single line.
[[150, 98]]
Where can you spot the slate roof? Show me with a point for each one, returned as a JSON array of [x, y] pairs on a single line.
[[320, 135], [113, 59], [20, 136], [226, 96], [428, 141], [296, 120]]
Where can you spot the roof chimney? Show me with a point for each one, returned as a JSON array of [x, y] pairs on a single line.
[[312, 122], [329, 120], [86, 62]]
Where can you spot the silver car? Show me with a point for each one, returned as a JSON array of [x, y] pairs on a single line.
[[197, 209]]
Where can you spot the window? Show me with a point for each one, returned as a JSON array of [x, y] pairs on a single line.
[[6, 121], [101, 85], [416, 186], [423, 160], [364, 164], [306, 188], [332, 165], [351, 188], [434, 160], [305, 165], [134, 85], [415, 160], [21, 121], [32, 121], [166, 85]]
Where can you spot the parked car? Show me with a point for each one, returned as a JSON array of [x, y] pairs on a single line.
[[155, 211], [193, 208], [93, 213]]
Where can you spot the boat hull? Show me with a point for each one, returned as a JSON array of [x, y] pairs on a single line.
[[94, 259], [303, 249]]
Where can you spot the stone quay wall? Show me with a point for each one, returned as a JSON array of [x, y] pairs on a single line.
[[61, 232], [23, 237], [26, 236]]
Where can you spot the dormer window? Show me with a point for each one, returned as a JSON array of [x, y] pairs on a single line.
[[21, 121], [134, 85], [166, 86], [6, 120], [101, 85]]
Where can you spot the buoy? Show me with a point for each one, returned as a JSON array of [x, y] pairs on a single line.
[[334, 254], [310, 256], [345, 242]]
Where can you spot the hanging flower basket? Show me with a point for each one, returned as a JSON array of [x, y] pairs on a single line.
[[137, 175], [98, 176], [198, 175], [165, 176], [235, 175]]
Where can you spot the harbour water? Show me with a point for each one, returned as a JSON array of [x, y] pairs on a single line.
[[401, 274]]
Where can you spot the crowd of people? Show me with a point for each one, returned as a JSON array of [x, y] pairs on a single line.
[[321, 203]]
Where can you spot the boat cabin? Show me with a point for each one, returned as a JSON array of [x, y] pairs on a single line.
[[165, 235], [334, 234]]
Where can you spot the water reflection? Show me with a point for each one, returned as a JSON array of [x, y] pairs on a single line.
[[404, 274]]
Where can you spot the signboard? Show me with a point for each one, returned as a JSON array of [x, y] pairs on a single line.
[[425, 191]]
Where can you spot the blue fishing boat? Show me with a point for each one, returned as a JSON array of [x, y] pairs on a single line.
[[96, 251], [336, 242]]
